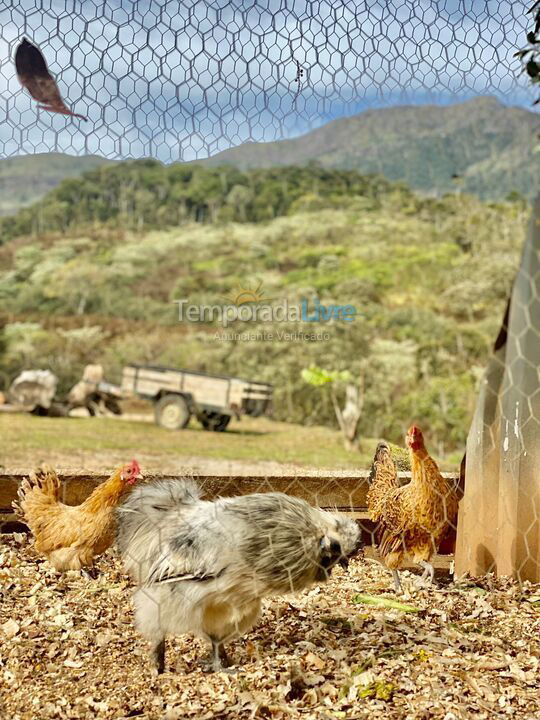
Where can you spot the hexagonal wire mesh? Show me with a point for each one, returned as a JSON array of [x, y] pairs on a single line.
[[179, 83], [499, 523], [184, 81]]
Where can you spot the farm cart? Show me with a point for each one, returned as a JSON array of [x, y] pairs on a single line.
[[179, 394]]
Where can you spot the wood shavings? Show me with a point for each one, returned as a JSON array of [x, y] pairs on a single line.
[[68, 650]]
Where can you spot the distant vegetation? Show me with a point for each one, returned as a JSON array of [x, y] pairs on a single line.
[[145, 194], [91, 272], [480, 147], [25, 179]]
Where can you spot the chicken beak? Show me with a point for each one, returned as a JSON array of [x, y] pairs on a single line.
[[344, 562], [132, 479]]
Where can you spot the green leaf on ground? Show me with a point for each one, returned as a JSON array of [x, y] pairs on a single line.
[[383, 602]]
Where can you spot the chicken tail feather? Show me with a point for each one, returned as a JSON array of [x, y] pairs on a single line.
[[160, 497], [384, 462], [42, 487], [149, 505], [143, 521], [382, 478]]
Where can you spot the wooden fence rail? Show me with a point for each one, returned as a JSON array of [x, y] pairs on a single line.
[[345, 493]]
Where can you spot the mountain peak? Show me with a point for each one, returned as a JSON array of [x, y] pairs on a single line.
[[483, 101], [422, 145]]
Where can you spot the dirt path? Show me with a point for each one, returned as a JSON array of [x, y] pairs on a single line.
[[190, 465]]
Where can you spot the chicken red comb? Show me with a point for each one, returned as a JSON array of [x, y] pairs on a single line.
[[414, 430], [135, 467]]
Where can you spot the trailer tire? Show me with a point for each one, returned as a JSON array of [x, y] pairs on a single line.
[[172, 412], [214, 421], [113, 406]]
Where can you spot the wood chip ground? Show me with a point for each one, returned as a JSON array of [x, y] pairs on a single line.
[[68, 650]]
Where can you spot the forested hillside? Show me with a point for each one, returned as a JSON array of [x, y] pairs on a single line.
[[25, 179], [146, 194], [488, 145], [480, 147], [91, 273]]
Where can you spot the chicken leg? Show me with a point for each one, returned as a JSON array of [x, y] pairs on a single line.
[[158, 655], [90, 573], [218, 660], [429, 571]]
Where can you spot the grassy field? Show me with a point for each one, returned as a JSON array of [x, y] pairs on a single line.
[[96, 443], [429, 279], [68, 441]]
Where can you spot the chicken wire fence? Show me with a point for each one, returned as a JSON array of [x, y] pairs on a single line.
[[181, 81], [184, 82]]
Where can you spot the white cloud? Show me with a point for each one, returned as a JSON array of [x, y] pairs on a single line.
[[183, 81]]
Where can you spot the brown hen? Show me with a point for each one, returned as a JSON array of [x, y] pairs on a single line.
[[414, 518], [71, 536]]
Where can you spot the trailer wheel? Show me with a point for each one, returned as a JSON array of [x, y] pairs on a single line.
[[172, 412], [113, 406], [214, 421]]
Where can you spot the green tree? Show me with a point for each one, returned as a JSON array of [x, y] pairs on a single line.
[[349, 416]]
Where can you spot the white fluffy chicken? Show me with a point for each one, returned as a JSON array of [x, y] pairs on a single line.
[[202, 567]]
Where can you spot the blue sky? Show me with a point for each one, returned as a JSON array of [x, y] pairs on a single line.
[[184, 80]]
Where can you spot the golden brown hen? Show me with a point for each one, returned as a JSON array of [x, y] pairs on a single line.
[[414, 518], [71, 536]]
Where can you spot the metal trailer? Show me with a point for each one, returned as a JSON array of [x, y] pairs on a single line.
[[178, 394]]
